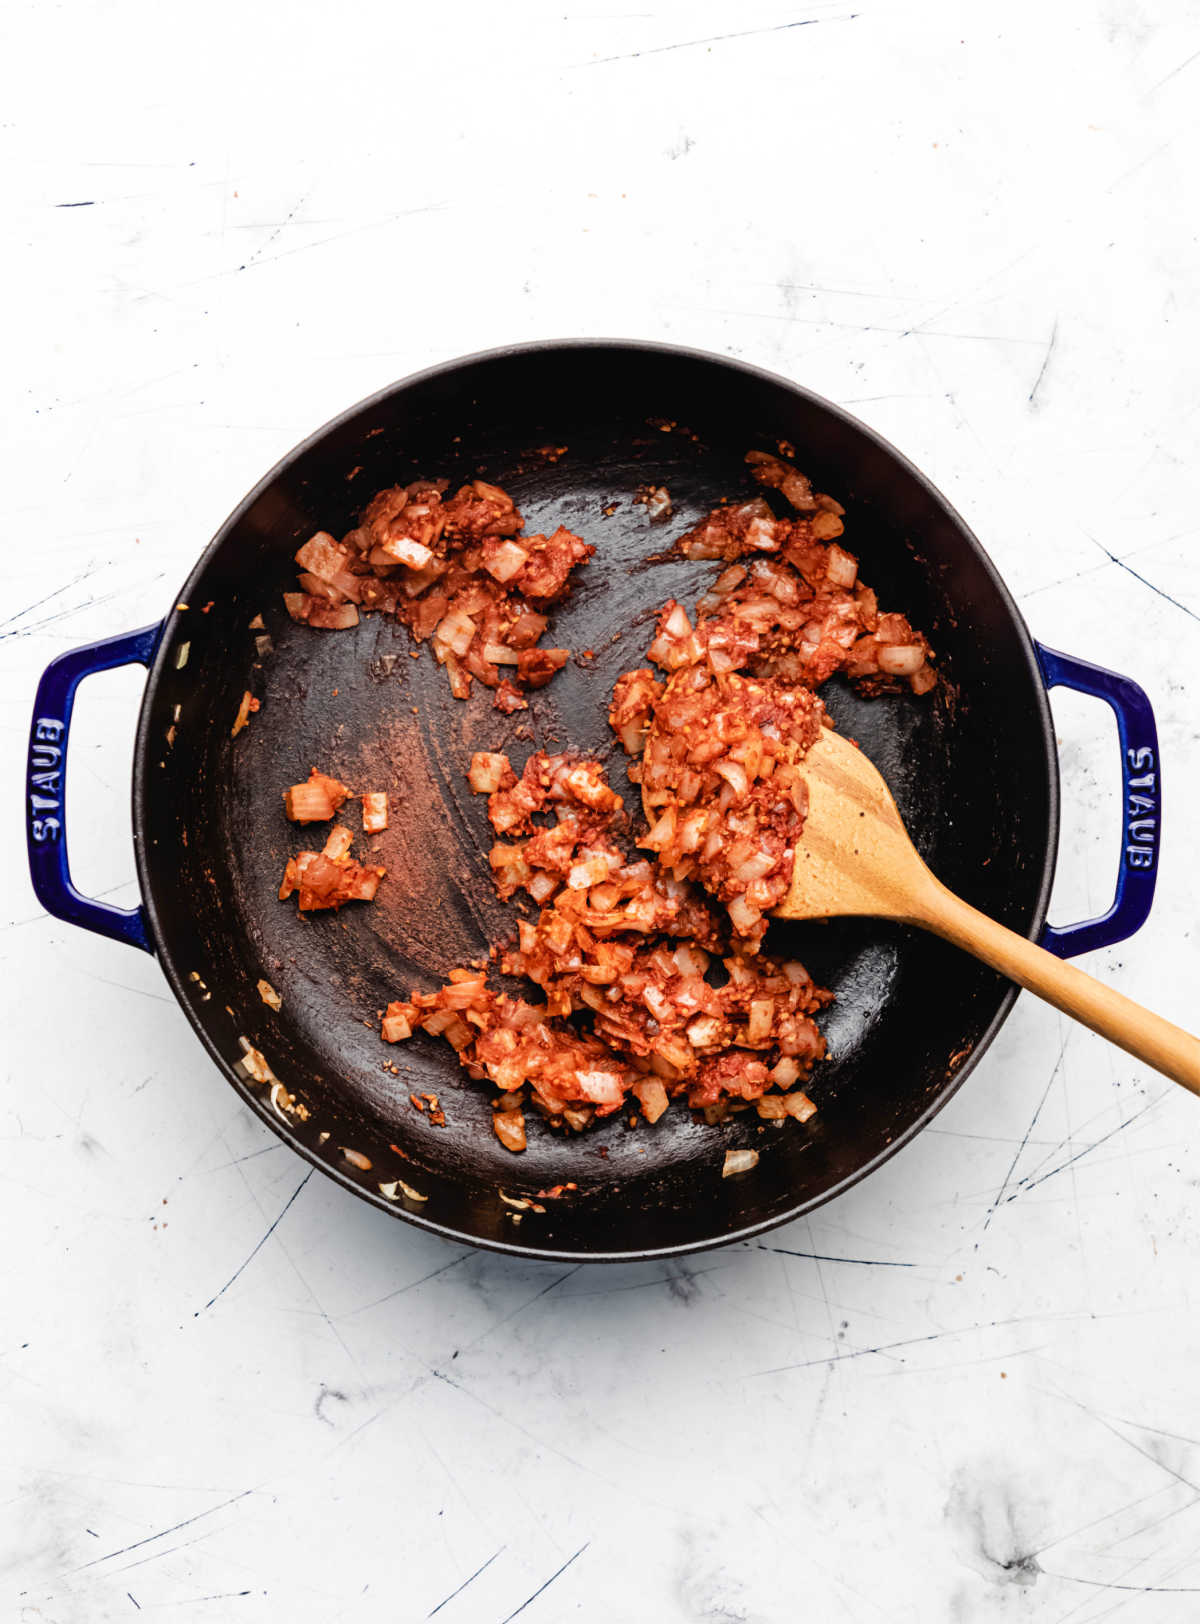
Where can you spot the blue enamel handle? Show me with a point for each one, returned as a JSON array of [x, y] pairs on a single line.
[[1141, 784], [45, 784]]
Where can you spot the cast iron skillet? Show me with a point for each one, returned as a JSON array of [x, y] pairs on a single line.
[[572, 429]]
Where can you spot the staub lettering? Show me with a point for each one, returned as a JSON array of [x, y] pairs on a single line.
[[45, 780], [1141, 807]]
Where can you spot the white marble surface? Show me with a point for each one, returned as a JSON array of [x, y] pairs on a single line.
[[976, 227]]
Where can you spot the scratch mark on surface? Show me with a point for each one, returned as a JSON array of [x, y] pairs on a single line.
[[968, 293], [847, 293], [163, 1532], [1003, 1357], [1012, 1166], [516, 1426], [1186, 63], [714, 39], [222, 1595], [1104, 1422], [248, 1157], [44, 918], [1086, 1151], [297, 1271], [983, 1138], [466, 1582], [123, 986], [1037, 382], [1095, 1522], [1145, 1454], [547, 1585], [832, 1334], [1141, 1590], [1160, 1432], [826, 1257], [64, 614], [1063, 581], [58, 591], [1134, 168], [167, 1550], [1057, 1146], [90, 203], [868, 400], [282, 226], [411, 1286], [319, 1305], [1156, 1522], [1129, 570], [521, 1307], [919, 331], [887, 1347], [645, 1285], [243, 1266], [307, 247]]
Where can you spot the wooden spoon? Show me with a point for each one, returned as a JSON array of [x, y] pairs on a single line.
[[855, 857]]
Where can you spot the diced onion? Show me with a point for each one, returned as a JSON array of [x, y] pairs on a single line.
[[589, 872], [799, 1106], [407, 551], [901, 660], [460, 681], [824, 526], [455, 632], [677, 624], [762, 1014], [248, 705], [500, 654], [507, 560], [841, 567], [390, 1191], [312, 802], [395, 1028], [744, 916], [662, 833], [652, 1097], [487, 771], [754, 868], [338, 843], [375, 812], [734, 774], [509, 1128], [705, 1032], [601, 1087]]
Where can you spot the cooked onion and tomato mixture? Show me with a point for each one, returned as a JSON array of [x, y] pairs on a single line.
[[457, 570], [646, 949]]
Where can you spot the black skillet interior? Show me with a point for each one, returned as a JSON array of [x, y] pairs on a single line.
[[572, 431]]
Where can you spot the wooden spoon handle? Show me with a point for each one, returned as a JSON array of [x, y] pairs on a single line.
[[1138, 1031]]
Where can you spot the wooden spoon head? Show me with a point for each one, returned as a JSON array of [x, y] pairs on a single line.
[[855, 856]]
